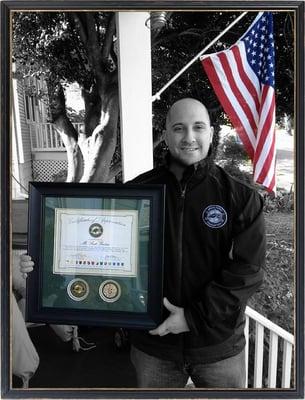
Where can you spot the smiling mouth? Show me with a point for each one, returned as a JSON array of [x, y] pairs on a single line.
[[189, 148]]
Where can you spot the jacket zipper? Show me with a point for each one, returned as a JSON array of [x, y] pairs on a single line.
[[180, 255], [181, 186], [180, 233]]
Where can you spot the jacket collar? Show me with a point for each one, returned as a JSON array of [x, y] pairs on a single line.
[[195, 171]]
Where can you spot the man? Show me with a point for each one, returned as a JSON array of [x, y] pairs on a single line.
[[214, 253]]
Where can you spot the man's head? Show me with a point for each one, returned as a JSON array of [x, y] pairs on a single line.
[[188, 131]]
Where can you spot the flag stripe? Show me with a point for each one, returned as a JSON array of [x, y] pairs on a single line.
[[226, 103], [243, 80], [266, 114], [266, 154], [235, 84], [263, 163], [244, 87], [268, 162], [234, 110], [264, 144], [247, 75]]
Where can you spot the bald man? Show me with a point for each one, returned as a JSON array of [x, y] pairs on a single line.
[[214, 253]]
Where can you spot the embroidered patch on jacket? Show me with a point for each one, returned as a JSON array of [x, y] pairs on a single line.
[[214, 216]]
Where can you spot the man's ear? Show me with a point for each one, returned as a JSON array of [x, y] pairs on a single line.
[[164, 135]]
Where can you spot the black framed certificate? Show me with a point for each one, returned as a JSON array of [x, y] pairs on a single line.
[[98, 254]]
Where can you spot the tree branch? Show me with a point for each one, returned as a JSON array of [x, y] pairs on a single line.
[[190, 32], [92, 33], [93, 46], [80, 27], [114, 171], [108, 41], [85, 24], [158, 140]]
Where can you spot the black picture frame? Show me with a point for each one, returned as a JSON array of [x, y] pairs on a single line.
[[9, 6], [132, 304]]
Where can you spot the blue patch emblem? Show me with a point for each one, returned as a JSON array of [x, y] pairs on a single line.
[[214, 216]]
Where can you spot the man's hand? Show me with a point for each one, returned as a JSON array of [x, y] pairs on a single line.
[[175, 323], [26, 265]]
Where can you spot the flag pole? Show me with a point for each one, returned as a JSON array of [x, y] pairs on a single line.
[[158, 94]]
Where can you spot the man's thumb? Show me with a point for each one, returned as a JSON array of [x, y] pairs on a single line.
[[169, 305]]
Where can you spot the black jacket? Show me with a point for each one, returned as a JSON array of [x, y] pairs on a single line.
[[214, 253]]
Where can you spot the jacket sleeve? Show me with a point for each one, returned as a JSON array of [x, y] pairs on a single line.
[[222, 301]]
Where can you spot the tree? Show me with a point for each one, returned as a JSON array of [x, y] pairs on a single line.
[[232, 156], [69, 47], [188, 33]]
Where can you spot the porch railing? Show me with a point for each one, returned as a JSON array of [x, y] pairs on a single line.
[[267, 367], [272, 370], [44, 136]]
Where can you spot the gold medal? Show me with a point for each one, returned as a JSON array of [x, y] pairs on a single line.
[[78, 289], [110, 291]]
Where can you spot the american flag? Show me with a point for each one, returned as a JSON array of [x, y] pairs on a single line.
[[243, 80]]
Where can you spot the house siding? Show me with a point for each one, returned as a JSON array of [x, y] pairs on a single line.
[[25, 168], [33, 161], [26, 139]]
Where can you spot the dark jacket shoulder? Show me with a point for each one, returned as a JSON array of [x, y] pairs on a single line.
[[149, 176], [240, 190]]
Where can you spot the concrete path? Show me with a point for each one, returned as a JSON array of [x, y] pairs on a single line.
[[285, 160]]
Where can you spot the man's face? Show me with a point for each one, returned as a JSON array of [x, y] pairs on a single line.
[[188, 131]]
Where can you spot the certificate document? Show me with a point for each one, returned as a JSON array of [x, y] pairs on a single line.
[[95, 242]]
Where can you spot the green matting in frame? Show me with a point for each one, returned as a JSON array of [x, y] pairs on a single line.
[[85, 260]]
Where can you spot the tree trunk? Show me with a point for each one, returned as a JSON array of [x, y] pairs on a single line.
[[66, 131], [74, 156], [89, 153], [96, 145], [99, 147]]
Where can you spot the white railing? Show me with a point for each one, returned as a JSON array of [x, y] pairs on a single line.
[[44, 136], [280, 352]]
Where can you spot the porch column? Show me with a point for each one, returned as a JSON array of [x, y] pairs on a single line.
[[16, 120], [134, 53]]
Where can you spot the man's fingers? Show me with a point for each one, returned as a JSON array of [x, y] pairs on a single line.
[[166, 332], [26, 265], [154, 331], [25, 257], [161, 330], [169, 305], [26, 268]]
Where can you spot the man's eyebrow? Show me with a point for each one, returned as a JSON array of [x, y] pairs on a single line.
[[196, 122]]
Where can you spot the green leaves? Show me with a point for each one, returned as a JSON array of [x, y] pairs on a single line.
[[47, 43], [190, 32]]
